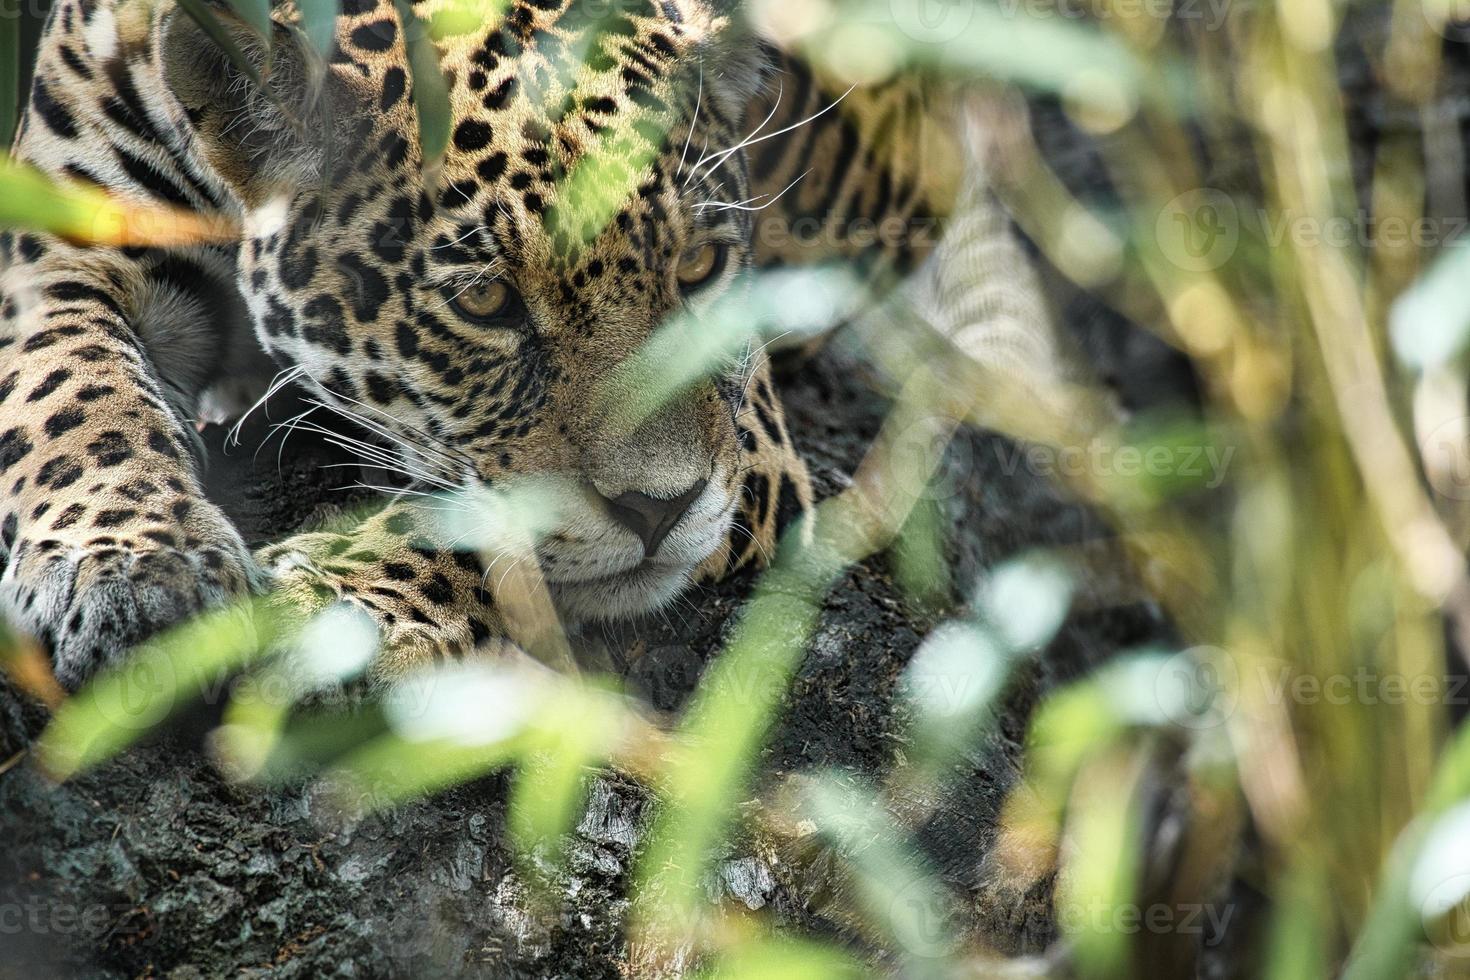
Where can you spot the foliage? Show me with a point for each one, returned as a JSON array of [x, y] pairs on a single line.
[[1335, 372]]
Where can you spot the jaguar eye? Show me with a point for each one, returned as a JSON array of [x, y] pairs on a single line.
[[491, 300], [700, 264]]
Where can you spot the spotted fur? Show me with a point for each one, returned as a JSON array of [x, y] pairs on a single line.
[[351, 255]]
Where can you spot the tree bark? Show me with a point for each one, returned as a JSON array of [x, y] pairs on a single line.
[[154, 864]]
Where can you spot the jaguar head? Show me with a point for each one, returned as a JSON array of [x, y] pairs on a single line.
[[485, 315]]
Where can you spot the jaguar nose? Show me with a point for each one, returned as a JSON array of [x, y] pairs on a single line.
[[652, 518]]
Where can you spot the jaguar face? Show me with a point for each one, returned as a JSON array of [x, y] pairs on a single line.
[[483, 315]]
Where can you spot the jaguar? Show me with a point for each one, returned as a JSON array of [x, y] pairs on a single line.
[[469, 310]]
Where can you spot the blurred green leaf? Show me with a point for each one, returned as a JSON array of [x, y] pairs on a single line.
[[1451, 774], [1025, 601], [208, 22], [84, 213], [576, 734], [1387, 942], [10, 20], [691, 346], [507, 518], [1070, 724], [727, 721], [1295, 947], [1101, 871], [919, 559], [1444, 858], [599, 182], [462, 17], [256, 14], [391, 770], [951, 683], [893, 884], [1396, 923], [446, 727], [1439, 880], [773, 958], [1162, 459], [123, 703], [430, 90], [319, 23], [1430, 322], [472, 703], [871, 38], [454, 724], [312, 741], [1087, 717], [334, 647]]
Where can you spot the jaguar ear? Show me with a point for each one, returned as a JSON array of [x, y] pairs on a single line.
[[733, 59], [259, 113]]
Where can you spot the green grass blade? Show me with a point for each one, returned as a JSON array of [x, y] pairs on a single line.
[[84, 213], [1101, 868], [334, 647], [1430, 323], [430, 91], [1295, 948], [392, 770], [463, 17], [452, 725], [1386, 943], [769, 957], [892, 884], [574, 736], [951, 683], [256, 14], [10, 19], [124, 703], [730, 716], [319, 23], [220, 34], [687, 348]]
